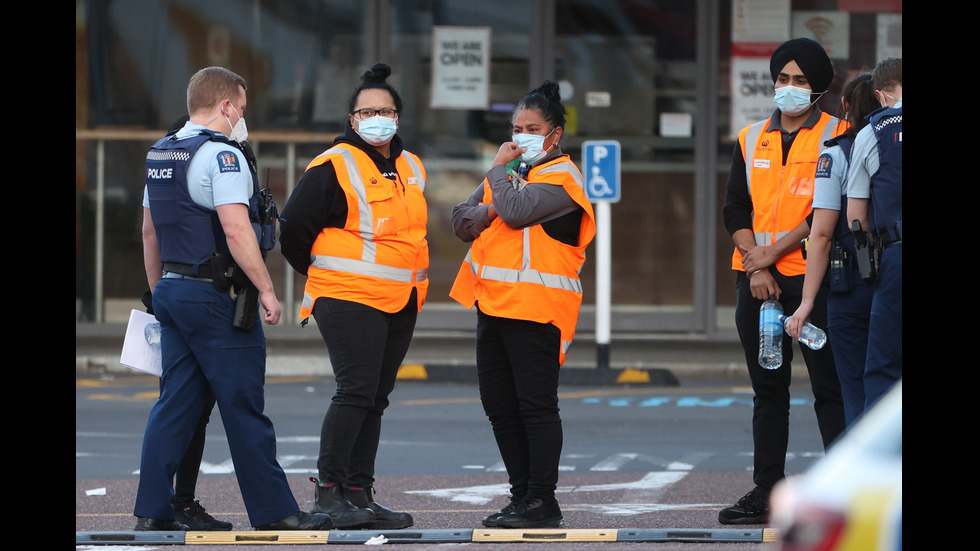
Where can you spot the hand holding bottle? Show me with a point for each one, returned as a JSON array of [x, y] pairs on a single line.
[[810, 335], [794, 324]]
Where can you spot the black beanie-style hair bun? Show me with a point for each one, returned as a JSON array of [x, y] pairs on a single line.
[[547, 99], [378, 73], [375, 78]]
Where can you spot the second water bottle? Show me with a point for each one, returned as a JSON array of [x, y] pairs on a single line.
[[770, 334], [810, 335]]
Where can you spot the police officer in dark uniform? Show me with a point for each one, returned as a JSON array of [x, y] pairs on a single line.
[[875, 174], [832, 254], [198, 230]]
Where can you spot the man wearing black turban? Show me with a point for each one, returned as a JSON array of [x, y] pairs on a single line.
[[767, 200]]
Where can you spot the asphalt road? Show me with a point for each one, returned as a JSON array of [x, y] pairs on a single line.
[[653, 463]]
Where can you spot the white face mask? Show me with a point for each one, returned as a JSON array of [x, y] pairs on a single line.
[[534, 145], [239, 132], [792, 100], [377, 130]]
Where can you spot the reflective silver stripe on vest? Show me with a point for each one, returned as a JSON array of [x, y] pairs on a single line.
[[751, 137], [766, 238], [560, 167], [416, 170], [361, 267], [526, 274], [367, 264], [366, 217]]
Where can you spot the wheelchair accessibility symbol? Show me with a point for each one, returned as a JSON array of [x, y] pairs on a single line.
[[598, 186], [600, 166]]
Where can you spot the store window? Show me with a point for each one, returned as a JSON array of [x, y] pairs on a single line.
[[629, 67]]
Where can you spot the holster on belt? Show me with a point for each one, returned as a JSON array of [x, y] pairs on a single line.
[[227, 275], [868, 253]]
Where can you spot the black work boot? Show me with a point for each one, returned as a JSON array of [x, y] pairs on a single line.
[[146, 524], [533, 512], [384, 518], [329, 499], [491, 520]]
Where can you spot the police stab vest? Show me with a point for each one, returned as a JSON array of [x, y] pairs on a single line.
[[842, 231], [886, 184], [187, 232]]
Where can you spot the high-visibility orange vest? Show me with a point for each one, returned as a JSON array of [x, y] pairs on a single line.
[[381, 254], [525, 274], [782, 195]]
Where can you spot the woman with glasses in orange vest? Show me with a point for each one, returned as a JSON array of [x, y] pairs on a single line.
[[529, 222], [356, 227]]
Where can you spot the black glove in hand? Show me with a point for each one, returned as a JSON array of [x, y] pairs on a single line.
[[148, 301]]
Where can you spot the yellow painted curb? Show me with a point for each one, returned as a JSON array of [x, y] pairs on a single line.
[[413, 371], [633, 376]]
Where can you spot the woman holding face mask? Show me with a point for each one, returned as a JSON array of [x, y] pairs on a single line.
[[356, 227], [529, 222]]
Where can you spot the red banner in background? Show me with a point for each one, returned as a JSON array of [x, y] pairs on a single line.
[[877, 6]]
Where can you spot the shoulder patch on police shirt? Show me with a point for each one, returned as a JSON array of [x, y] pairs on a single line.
[[228, 162], [824, 164]]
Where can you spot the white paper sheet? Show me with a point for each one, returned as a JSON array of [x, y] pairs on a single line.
[[141, 347]]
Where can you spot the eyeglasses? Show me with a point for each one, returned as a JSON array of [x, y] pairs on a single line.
[[368, 112]]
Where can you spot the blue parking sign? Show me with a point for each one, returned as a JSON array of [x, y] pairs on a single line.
[[600, 168]]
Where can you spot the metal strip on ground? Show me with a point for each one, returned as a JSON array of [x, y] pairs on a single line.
[[129, 538], [542, 534], [690, 535], [402, 536], [292, 537]]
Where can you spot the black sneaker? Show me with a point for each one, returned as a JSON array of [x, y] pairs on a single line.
[[196, 518], [753, 508], [533, 513], [146, 524], [491, 521], [300, 520]]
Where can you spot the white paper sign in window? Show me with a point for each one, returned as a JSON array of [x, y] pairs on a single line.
[[460, 67]]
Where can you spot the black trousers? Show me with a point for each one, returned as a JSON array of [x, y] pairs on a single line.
[[366, 348], [517, 365], [185, 479], [770, 411]]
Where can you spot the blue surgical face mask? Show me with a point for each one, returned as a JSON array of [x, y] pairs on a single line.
[[377, 130], [792, 100], [534, 144]]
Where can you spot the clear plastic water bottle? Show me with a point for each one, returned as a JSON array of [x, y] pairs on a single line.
[[770, 334], [811, 335], [152, 334]]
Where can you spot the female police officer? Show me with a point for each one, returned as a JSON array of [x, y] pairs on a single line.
[[831, 241]]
